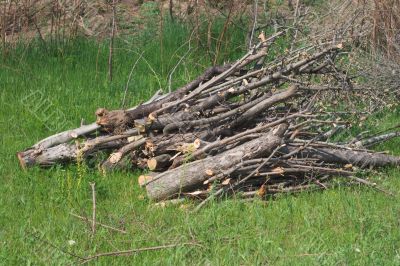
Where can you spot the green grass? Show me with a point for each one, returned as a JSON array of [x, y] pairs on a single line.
[[345, 226]]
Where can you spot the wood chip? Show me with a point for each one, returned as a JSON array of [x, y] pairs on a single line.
[[226, 182], [115, 157]]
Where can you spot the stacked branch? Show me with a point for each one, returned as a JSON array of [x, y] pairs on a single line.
[[249, 128]]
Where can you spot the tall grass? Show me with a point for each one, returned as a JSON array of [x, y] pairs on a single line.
[[386, 27]]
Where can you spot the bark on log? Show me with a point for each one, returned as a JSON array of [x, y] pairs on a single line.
[[260, 107], [67, 152], [62, 153], [159, 145], [57, 154], [254, 106], [344, 156], [376, 139], [66, 136], [118, 119], [181, 179], [159, 162], [27, 157]]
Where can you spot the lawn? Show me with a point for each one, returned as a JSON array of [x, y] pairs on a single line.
[[44, 91]]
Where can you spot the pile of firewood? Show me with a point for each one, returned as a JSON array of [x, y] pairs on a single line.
[[250, 128]]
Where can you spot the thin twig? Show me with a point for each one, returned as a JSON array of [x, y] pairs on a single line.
[[255, 10], [56, 247], [133, 251], [97, 223], [179, 62], [372, 185], [129, 79], [110, 56], [93, 208]]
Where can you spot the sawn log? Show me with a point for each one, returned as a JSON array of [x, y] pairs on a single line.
[[175, 181]]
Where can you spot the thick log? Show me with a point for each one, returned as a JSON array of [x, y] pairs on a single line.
[[181, 179], [162, 144], [158, 123], [27, 157], [159, 145], [344, 156], [67, 152], [62, 153], [66, 136], [57, 154]]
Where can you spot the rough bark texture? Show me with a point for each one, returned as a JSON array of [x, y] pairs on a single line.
[[67, 152], [116, 157], [121, 119], [184, 177], [159, 162], [345, 156]]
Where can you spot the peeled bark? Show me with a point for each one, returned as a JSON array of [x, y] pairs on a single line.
[[181, 179]]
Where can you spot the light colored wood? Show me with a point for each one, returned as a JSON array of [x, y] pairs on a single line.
[[159, 162]]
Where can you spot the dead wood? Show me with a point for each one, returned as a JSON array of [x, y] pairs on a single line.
[[111, 120], [117, 156], [159, 162], [344, 156], [252, 127], [180, 179]]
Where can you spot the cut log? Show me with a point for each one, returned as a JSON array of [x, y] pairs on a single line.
[[344, 156], [145, 178], [62, 153], [117, 156], [66, 152], [159, 163], [57, 154], [181, 179], [27, 158], [66, 136]]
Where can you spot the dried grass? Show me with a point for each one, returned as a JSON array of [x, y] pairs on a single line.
[[386, 27]]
